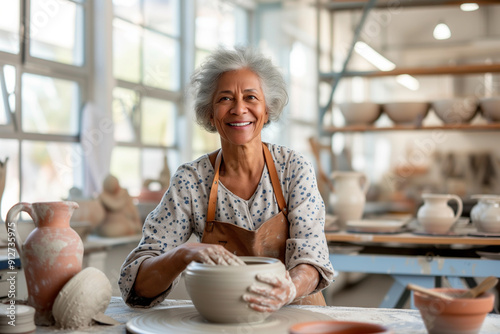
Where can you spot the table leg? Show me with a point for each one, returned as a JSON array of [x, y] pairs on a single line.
[[456, 282], [397, 295]]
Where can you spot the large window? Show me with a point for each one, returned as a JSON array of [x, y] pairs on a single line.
[[43, 75], [217, 23], [147, 64], [48, 79]]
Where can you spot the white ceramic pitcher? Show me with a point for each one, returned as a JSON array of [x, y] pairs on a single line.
[[348, 199], [436, 216], [489, 218]]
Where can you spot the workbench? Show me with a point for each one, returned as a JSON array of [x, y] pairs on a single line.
[[413, 258], [398, 320]]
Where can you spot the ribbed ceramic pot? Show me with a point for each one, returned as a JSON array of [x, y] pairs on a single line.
[[216, 291]]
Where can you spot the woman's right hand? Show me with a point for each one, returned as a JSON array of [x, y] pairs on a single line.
[[209, 254]]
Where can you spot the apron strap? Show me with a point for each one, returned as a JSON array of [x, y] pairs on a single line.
[[273, 174], [275, 180], [212, 200]]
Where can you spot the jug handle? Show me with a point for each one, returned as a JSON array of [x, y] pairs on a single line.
[[366, 183], [460, 206], [11, 224]]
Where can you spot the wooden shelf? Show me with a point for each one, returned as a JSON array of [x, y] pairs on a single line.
[[409, 238], [434, 70], [372, 128]]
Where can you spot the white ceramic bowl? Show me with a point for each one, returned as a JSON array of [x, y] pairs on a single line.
[[216, 290], [360, 113], [406, 112], [457, 110], [490, 107]]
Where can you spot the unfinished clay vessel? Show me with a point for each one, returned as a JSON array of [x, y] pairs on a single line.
[[461, 315], [85, 296], [51, 254], [216, 290]]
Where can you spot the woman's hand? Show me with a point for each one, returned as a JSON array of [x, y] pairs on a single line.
[[280, 292], [209, 254]]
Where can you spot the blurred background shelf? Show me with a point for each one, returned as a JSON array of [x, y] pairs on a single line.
[[368, 128]]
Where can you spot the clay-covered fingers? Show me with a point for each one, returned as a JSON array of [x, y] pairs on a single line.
[[278, 291], [262, 304], [218, 255]]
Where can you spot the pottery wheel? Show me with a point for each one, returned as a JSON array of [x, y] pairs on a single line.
[[185, 319]]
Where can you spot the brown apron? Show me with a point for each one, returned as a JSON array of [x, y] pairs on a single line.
[[269, 240]]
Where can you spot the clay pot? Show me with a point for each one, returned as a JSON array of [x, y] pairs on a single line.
[[216, 291], [461, 315], [51, 255], [436, 216], [338, 327]]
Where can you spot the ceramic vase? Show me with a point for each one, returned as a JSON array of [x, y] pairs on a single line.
[[436, 216], [478, 208], [51, 254], [348, 200], [489, 218], [216, 291]]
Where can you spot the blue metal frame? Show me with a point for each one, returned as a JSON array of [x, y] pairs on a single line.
[[421, 270]]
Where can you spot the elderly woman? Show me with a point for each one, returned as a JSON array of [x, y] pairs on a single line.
[[247, 199]]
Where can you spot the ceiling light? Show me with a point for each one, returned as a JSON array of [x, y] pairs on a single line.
[[441, 31], [408, 81], [469, 7], [379, 61]]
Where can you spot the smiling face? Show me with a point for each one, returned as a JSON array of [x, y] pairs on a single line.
[[239, 107]]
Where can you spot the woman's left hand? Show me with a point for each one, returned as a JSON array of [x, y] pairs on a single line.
[[280, 292]]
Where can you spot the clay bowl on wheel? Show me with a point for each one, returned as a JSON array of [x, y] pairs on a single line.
[[338, 327], [216, 290], [360, 113], [461, 315], [406, 113], [456, 111], [490, 107]]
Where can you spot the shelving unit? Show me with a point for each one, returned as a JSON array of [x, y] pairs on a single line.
[[335, 77], [330, 130]]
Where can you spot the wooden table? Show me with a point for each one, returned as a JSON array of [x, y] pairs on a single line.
[[418, 259], [398, 320]]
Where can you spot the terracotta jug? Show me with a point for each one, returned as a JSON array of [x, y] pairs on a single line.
[[348, 200], [436, 216], [51, 254]]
